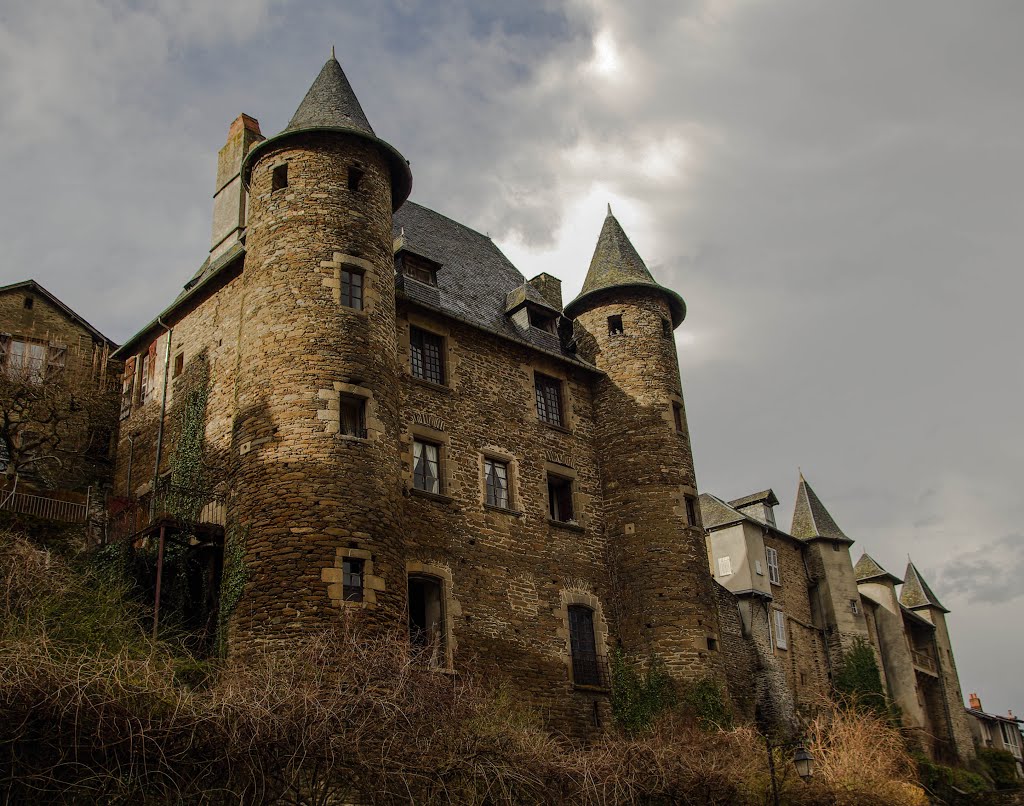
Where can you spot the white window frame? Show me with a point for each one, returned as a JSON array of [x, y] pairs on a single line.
[[779, 619], [772, 558]]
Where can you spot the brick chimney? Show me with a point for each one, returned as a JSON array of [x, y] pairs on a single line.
[[550, 288], [975, 702], [229, 200]]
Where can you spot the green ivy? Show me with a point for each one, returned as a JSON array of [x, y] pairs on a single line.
[[639, 695], [858, 682], [706, 700], [232, 582], [188, 470], [1000, 766]]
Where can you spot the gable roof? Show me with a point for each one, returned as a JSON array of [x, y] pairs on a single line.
[[617, 264], [867, 568], [915, 593], [474, 281], [716, 514], [42, 292], [810, 518]]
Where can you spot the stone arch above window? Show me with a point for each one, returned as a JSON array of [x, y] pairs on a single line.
[[433, 620], [587, 666]]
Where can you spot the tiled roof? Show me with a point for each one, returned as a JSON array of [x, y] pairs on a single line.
[[616, 264], [867, 568], [811, 519], [915, 592], [475, 278], [38, 289], [765, 496], [715, 513], [330, 103]]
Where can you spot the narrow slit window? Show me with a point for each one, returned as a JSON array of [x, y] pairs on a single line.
[[426, 466], [691, 510], [352, 580], [560, 499], [179, 365], [352, 289], [496, 483], [355, 177], [352, 416], [677, 418], [615, 325], [279, 177], [549, 399], [426, 355]]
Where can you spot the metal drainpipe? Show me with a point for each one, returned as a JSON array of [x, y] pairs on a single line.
[[163, 413]]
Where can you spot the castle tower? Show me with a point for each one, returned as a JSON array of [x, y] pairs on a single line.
[[317, 495], [918, 597], [836, 597], [624, 323]]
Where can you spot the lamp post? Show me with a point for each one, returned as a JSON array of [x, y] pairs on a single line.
[[802, 760]]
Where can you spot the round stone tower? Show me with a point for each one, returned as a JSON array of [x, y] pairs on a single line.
[[316, 496], [624, 323]]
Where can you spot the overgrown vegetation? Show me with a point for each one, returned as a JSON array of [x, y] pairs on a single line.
[[1000, 766], [96, 712], [859, 683]]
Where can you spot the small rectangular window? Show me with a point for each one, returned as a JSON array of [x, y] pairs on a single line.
[[496, 483], [355, 177], [549, 399], [352, 580], [677, 418], [691, 510], [780, 629], [352, 416], [712, 644], [773, 565], [179, 365], [560, 499], [426, 355], [352, 289], [540, 321], [854, 606], [724, 566], [836, 547], [29, 302], [426, 466], [279, 177], [614, 325]]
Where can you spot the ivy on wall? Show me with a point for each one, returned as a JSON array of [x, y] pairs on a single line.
[[188, 469], [639, 695], [858, 681], [232, 581]]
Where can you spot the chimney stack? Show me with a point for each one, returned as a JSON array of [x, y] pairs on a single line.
[[229, 195], [975, 702], [550, 288]]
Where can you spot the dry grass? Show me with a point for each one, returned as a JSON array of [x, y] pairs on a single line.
[[340, 717]]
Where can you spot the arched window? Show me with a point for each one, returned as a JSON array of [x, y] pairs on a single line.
[[587, 666]]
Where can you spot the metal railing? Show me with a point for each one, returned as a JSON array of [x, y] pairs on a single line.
[[923, 661], [185, 506], [41, 506], [590, 669]]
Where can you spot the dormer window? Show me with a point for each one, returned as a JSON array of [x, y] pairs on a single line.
[[543, 321], [416, 267]]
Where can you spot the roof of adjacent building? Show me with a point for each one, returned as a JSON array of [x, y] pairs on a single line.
[[916, 593], [474, 280], [867, 568], [617, 264], [810, 518], [717, 514], [1013, 720], [32, 285], [765, 497], [331, 105]]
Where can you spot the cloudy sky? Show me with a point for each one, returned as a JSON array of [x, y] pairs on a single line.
[[835, 188]]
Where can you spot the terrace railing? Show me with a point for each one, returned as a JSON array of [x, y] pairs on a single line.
[[41, 506]]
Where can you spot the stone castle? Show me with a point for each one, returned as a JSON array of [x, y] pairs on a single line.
[[409, 434]]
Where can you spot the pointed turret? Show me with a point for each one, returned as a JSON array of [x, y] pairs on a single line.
[[867, 569], [331, 105], [916, 594], [810, 518], [617, 265]]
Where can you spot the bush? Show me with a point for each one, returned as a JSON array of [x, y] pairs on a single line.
[[1001, 767]]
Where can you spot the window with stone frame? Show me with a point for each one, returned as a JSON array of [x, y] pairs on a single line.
[[691, 510], [351, 294], [352, 416], [677, 417], [772, 556], [426, 466], [352, 579], [587, 666], [560, 503], [780, 629], [426, 355], [427, 619], [549, 399], [496, 487], [24, 359]]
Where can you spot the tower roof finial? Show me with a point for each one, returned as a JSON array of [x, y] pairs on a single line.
[[332, 54], [609, 208]]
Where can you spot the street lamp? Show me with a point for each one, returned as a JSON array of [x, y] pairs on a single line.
[[802, 760]]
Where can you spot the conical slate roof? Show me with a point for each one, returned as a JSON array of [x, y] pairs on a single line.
[[811, 519], [330, 103], [916, 594], [616, 264], [867, 568]]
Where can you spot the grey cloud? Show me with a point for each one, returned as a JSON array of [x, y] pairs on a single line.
[[993, 573]]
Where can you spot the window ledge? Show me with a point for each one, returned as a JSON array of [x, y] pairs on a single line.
[[437, 387], [438, 497], [572, 527], [504, 510], [554, 427], [593, 689], [351, 438]]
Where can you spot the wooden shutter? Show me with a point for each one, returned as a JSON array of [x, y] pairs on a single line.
[[56, 360]]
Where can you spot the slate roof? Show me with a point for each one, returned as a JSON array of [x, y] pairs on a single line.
[[330, 104], [810, 518], [42, 292], [716, 513], [915, 592], [766, 496], [616, 264], [475, 278], [867, 568]]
